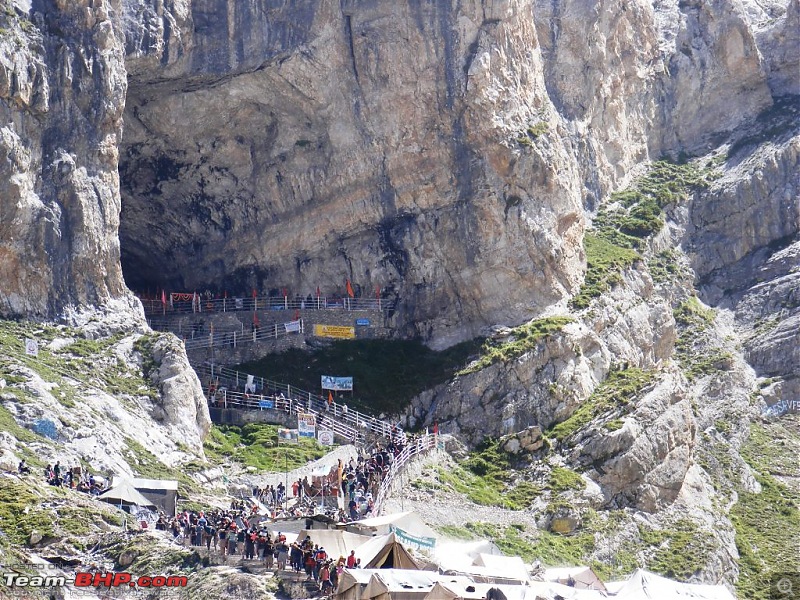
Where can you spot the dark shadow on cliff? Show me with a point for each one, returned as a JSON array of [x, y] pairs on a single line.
[[387, 374]]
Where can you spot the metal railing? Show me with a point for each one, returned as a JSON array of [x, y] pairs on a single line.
[[226, 399], [231, 337], [233, 381], [413, 448], [154, 306]]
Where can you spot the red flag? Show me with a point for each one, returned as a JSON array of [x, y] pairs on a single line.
[[296, 314], [318, 292], [255, 293], [350, 291], [164, 297], [377, 291], [285, 292], [226, 294], [255, 320], [330, 397]]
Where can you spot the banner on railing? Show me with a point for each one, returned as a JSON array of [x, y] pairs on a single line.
[[288, 436], [337, 384], [266, 403], [292, 326], [325, 437], [306, 425], [338, 332], [413, 540]]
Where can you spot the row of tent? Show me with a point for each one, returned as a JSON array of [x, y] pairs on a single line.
[[447, 570], [397, 584], [469, 570]]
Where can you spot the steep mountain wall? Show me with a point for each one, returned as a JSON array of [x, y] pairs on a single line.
[[443, 152], [62, 94]]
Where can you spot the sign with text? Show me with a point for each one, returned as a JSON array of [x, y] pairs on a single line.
[[413, 540], [288, 436], [292, 326], [31, 347], [266, 403], [362, 322], [306, 425], [337, 384], [338, 332], [325, 438], [782, 407]]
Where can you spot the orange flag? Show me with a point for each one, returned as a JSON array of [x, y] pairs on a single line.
[[330, 396], [350, 291]]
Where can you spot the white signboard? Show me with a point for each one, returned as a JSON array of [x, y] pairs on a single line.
[[306, 425], [31, 347], [325, 437]]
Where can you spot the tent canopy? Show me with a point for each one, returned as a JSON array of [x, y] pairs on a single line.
[[504, 567], [410, 522], [456, 556], [644, 585], [399, 583], [584, 577], [351, 582], [385, 552], [336, 542], [125, 493], [468, 590]]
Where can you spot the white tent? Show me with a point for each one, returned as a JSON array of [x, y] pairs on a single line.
[[582, 577], [352, 584], [124, 494], [644, 585], [449, 590], [401, 584], [512, 569], [409, 523], [455, 556], [161, 492], [336, 542]]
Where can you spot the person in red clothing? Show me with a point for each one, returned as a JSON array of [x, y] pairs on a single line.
[[351, 560], [325, 577]]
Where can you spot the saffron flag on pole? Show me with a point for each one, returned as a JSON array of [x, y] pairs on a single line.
[[350, 291]]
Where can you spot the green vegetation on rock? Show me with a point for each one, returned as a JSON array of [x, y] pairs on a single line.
[[693, 349], [485, 478], [665, 267], [604, 262], [613, 396], [520, 340], [256, 445], [631, 216], [564, 480], [678, 552], [637, 212], [767, 523]]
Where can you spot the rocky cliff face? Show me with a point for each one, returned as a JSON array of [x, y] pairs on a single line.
[[454, 155], [443, 153], [62, 95]]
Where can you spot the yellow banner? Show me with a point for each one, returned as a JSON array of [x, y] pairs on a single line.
[[335, 331]]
